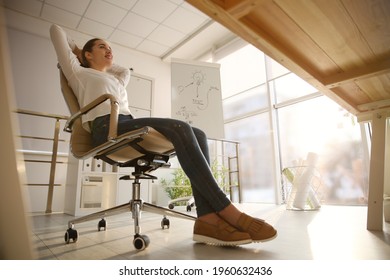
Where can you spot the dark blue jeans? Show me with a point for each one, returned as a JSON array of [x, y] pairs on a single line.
[[191, 149]]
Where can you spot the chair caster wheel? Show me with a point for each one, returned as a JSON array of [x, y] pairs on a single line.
[[71, 234], [141, 242], [189, 208], [171, 206], [165, 222], [102, 224]]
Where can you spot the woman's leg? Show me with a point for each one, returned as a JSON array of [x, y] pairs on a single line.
[[202, 205], [192, 152], [217, 214]]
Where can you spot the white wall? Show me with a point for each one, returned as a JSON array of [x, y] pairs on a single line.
[[36, 81], [36, 76]]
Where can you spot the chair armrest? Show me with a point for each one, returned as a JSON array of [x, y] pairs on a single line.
[[112, 134]]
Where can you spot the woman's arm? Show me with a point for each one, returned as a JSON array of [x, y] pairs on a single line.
[[77, 52], [69, 56], [66, 50]]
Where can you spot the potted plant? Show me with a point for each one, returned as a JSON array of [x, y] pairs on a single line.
[[178, 188]]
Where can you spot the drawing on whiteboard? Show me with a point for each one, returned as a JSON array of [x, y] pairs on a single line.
[[196, 95], [187, 114], [201, 100]]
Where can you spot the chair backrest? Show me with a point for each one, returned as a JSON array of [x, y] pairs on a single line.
[[142, 142], [81, 140]]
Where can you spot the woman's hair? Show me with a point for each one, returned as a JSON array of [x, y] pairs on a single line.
[[87, 48]]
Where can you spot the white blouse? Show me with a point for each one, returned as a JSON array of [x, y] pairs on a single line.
[[88, 83]]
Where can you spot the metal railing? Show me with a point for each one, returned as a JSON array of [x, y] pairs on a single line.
[[231, 160], [53, 162]]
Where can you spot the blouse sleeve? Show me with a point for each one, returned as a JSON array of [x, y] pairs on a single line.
[[63, 46]]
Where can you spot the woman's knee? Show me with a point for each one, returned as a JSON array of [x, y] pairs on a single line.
[[199, 133], [178, 124]]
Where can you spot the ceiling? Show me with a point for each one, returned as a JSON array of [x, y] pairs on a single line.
[[342, 47], [160, 28]]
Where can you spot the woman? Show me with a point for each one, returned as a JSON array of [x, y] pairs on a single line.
[[219, 222]]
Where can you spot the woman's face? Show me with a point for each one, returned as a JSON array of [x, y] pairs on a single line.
[[101, 56]]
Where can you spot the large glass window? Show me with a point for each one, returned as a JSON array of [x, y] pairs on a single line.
[[242, 70], [256, 158], [303, 121], [320, 126], [290, 87], [274, 69], [245, 103]]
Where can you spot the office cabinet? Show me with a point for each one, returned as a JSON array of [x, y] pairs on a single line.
[[140, 95]]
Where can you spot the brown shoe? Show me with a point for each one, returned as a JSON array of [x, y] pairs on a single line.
[[222, 234], [258, 229]]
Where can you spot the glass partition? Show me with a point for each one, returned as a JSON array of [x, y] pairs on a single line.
[[256, 157], [320, 126], [264, 103]]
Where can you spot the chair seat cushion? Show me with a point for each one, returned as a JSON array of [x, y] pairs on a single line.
[[121, 151]]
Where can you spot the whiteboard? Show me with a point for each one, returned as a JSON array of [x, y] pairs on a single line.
[[196, 95]]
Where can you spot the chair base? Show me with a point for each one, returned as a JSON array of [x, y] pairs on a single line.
[[135, 206], [190, 202], [140, 242]]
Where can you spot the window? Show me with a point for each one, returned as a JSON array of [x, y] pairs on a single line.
[[290, 87], [264, 104], [242, 70], [274, 69], [319, 125], [256, 157], [245, 103]]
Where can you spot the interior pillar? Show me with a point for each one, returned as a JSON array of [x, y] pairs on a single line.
[[377, 173]]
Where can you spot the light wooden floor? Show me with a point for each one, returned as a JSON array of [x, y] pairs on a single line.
[[332, 233]]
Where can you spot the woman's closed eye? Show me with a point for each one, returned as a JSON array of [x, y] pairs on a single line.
[[102, 46]]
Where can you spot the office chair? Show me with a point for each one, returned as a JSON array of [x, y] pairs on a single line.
[[144, 149], [189, 200]]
